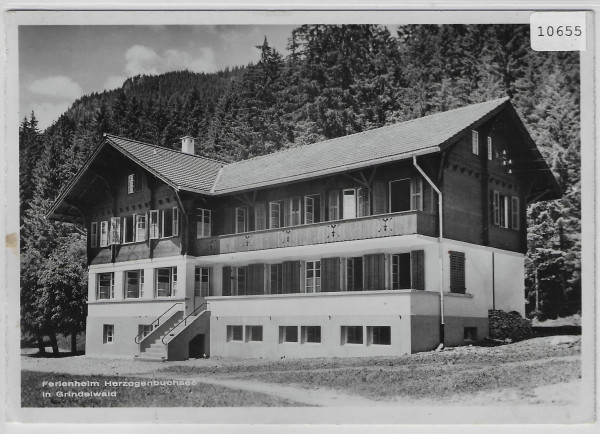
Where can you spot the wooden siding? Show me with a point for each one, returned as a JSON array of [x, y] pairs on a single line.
[[387, 225]]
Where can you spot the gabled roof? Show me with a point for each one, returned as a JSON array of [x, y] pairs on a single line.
[[394, 142], [178, 169]]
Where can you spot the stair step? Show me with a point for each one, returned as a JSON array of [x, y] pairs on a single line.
[[157, 345], [154, 351], [143, 358]]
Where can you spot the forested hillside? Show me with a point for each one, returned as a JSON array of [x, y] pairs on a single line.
[[335, 81]]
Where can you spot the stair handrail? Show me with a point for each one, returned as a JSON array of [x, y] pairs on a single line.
[[157, 321], [184, 321]]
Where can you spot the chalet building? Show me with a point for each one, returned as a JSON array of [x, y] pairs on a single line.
[[384, 242]]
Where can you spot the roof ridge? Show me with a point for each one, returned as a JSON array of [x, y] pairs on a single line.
[[214, 160], [503, 99]]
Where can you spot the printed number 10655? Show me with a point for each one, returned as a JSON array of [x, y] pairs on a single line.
[[559, 31]]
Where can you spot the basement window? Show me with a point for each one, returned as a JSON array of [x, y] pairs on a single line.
[[108, 334], [311, 334], [235, 333], [288, 334], [352, 335], [254, 333], [379, 335], [470, 334]]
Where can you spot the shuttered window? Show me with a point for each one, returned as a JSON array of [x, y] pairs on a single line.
[[115, 230], [295, 215], [291, 277], [330, 274], [500, 209], [128, 229], [203, 218], [256, 279], [227, 280], [241, 280], [457, 272], [515, 212], [379, 195], [94, 235], [260, 216], [154, 232], [354, 274], [276, 278], [401, 271], [312, 281], [334, 204], [374, 272], [417, 259]]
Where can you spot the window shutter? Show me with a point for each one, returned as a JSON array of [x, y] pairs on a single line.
[[286, 212], [379, 196], [457, 272], [475, 142], [320, 213], [363, 202], [291, 277], [489, 148], [94, 235], [374, 272], [260, 215], [130, 183], [230, 220], [416, 196], [417, 261], [427, 198], [175, 221], [227, 280], [515, 212], [330, 275], [256, 279], [496, 208], [334, 205], [295, 211]]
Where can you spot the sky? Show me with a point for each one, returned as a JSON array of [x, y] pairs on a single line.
[[58, 64]]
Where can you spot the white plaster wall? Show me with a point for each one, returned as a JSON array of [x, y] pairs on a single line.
[[510, 283]]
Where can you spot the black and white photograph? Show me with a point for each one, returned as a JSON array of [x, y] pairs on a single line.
[[258, 217]]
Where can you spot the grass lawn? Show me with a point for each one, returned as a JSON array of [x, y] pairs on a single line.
[[200, 395]]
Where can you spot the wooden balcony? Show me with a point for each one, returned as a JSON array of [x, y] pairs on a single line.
[[384, 225]]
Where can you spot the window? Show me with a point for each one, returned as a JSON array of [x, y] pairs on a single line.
[[166, 281], [489, 148], [105, 288], [364, 205], [515, 213], [500, 210], [416, 193], [334, 204], [94, 235], [475, 142], [108, 333], [313, 276], [401, 271], [352, 335], [154, 228], [406, 194], [275, 215], [202, 223], [254, 333], [379, 335], [140, 228], [241, 220], [104, 234], [144, 330], [128, 229], [312, 209], [457, 272], [201, 281], [295, 219], [470, 334], [242, 272], [134, 182], [134, 284], [276, 278], [311, 334], [235, 333], [170, 222], [349, 203], [288, 334], [354, 274], [115, 230]]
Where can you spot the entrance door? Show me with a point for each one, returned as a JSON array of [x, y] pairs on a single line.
[[349, 203]]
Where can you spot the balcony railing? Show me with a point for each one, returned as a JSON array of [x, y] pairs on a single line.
[[384, 225]]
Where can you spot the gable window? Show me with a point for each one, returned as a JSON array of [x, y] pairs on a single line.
[[241, 220], [241, 275], [295, 219], [313, 276], [140, 228], [105, 288], [354, 274], [457, 272], [115, 230], [94, 235], [202, 223], [128, 229], [490, 149], [201, 281], [134, 284], [311, 334], [275, 215], [352, 335], [334, 204], [108, 333], [475, 142], [276, 278], [288, 334], [166, 281], [134, 182], [154, 228], [104, 234]]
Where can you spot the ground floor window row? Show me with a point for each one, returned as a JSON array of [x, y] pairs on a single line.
[[349, 335], [165, 283]]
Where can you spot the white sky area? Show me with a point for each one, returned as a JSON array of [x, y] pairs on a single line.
[[58, 64]]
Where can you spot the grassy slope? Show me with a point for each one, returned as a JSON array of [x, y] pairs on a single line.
[[201, 395]]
